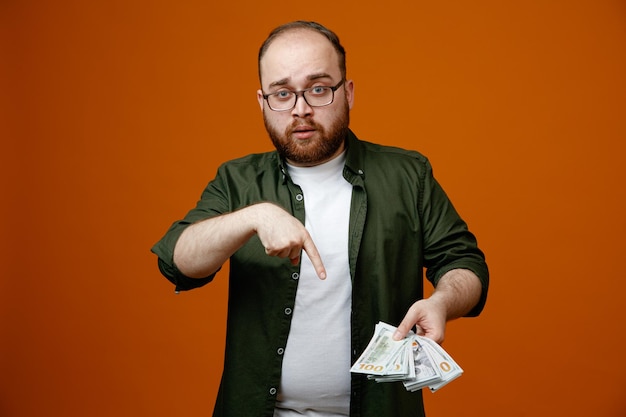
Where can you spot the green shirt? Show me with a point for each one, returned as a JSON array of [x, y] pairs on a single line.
[[401, 222]]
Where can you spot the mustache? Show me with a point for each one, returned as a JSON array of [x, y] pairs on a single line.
[[299, 125]]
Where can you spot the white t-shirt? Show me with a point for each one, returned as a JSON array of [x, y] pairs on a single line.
[[316, 366]]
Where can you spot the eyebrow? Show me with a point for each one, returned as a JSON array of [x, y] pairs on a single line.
[[315, 76]]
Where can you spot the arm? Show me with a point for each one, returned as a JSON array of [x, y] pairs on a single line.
[[450, 249], [457, 292], [204, 246]]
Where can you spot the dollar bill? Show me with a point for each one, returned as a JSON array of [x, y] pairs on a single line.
[[449, 369], [382, 356], [425, 372], [416, 361], [402, 364]]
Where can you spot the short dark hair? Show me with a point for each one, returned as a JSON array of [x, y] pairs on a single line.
[[310, 25]]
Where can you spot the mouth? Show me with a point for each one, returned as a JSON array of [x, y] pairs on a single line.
[[303, 132]]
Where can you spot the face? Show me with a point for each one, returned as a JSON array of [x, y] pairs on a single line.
[[305, 135]]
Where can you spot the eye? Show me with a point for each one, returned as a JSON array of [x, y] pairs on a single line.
[[319, 90], [283, 95]]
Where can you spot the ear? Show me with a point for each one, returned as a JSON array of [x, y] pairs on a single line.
[[349, 89], [259, 97]]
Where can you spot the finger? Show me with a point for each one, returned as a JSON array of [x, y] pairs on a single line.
[[435, 335], [294, 256], [282, 253], [314, 256], [404, 327], [274, 252]]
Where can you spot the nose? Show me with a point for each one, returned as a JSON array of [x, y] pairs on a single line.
[[302, 108]]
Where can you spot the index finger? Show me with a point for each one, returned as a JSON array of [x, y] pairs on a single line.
[[314, 256]]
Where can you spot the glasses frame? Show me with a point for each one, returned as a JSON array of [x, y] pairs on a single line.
[[301, 93]]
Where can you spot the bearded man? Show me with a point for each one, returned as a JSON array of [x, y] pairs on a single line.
[[326, 236]]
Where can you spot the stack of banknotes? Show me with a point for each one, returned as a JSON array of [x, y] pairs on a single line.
[[416, 361]]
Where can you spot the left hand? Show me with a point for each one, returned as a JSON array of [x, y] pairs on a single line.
[[428, 316]]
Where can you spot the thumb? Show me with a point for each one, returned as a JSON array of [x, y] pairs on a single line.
[[403, 329]]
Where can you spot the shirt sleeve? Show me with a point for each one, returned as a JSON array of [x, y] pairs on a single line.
[[448, 244], [213, 202]]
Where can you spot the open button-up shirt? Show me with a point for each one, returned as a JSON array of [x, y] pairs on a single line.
[[401, 223]]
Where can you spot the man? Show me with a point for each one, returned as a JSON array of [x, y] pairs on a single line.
[[326, 236]]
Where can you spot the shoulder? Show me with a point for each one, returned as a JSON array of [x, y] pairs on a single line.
[[375, 150], [378, 157], [252, 163]]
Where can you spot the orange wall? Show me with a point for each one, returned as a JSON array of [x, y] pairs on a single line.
[[116, 113]]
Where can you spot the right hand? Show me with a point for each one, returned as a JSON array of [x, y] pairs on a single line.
[[283, 235]]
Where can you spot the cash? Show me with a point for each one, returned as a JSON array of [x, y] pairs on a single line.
[[417, 361]]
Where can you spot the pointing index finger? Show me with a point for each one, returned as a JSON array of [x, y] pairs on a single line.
[[314, 256]]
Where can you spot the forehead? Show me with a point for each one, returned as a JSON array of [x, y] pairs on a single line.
[[297, 54]]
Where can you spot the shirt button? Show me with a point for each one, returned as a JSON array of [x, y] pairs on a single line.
[[287, 311], [272, 391], [280, 351], [299, 197], [295, 275]]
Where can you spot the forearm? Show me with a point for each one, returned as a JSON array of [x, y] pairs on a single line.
[[204, 246], [459, 290]]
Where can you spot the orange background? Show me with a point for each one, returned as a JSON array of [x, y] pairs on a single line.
[[115, 114]]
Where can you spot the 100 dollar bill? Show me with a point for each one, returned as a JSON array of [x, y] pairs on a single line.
[[417, 361]]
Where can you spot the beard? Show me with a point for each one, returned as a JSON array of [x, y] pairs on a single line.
[[315, 150]]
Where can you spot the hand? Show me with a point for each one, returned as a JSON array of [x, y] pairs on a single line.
[[283, 235], [428, 316]]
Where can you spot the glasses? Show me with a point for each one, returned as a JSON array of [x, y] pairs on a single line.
[[318, 96]]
